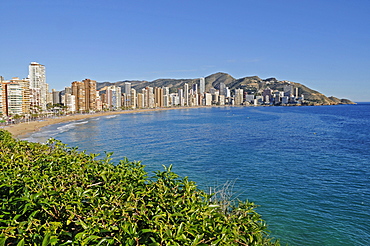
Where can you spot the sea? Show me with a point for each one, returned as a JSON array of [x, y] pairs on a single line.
[[308, 168]]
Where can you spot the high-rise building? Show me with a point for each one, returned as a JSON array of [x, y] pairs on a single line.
[[285, 100], [150, 97], [200, 99], [158, 97], [127, 94], [175, 99], [25, 85], [12, 98], [38, 86], [249, 98], [144, 91], [127, 88], [166, 100], [215, 97], [186, 94], [222, 89], [221, 100], [166, 91], [194, 100], [56, 96], [78, 90], [99, 102], [69, 101], [277, 97], [238, 96], [180, 93], [195, 88], [68, 90], [90, 88], [114, 97], [267, 94], [288, 90], [85, 94], [228, 92], [207, 99], [202, 85], [133, 98], [140, 100]]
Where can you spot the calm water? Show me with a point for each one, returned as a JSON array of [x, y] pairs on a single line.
[[308, 167]]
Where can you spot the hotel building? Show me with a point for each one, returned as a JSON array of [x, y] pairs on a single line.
[[38, 86], [85, 95]]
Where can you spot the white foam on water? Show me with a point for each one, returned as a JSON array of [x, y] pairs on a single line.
[[69, 126], [52, 131]]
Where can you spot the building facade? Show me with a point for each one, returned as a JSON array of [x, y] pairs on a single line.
[[38, 86], [85, 95]]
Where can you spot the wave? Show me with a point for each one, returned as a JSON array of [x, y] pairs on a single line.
[[69, 126], [82, 122], [41, 136]]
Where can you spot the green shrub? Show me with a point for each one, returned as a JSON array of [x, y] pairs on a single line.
[[51, 194]]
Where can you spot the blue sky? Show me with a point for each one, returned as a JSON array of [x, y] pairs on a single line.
[[324, 44]]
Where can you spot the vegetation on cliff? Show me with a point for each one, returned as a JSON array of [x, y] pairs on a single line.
[[51, 194]]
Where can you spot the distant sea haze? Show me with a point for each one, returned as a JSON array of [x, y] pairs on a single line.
[[308, 167]]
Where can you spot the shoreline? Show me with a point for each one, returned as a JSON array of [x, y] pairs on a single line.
[[24, 129]]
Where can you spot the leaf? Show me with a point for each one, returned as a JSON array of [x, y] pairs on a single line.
[[53, 240], [197, 239], [21, 243], [88, 239], [2, 240], [46, 240], [147, 230], [179, 230]]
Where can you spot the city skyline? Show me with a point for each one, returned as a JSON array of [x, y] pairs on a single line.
[[323, 45], [30, 96]]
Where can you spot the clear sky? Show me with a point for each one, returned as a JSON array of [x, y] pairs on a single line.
[[323, 44]]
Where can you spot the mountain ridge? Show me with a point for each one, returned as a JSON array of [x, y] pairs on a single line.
[[250, 84]]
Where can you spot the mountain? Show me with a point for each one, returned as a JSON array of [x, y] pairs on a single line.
[[252, 85]]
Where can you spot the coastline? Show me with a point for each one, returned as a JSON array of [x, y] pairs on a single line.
[[24, 129]]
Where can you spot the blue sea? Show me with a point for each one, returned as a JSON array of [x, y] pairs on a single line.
[[307, 167]]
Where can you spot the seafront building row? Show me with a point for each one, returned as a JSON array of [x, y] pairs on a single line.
[[31, 96]]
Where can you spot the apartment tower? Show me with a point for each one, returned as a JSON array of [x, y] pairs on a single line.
[[85, 95], [202, 85], [38, 86]]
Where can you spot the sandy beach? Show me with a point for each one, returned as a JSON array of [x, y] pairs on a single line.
[[23, 129]]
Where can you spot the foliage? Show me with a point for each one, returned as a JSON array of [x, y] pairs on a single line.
[[51, 194]]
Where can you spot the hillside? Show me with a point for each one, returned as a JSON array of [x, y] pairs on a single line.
[[252, 85]]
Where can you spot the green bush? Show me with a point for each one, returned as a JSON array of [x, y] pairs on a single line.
[[51, 194]]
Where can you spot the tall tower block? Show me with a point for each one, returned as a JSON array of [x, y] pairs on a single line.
[[38, 86], [202, 85]]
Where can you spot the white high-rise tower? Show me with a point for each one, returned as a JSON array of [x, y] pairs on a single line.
[[202, 85], [39, 87], [186, 94]]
